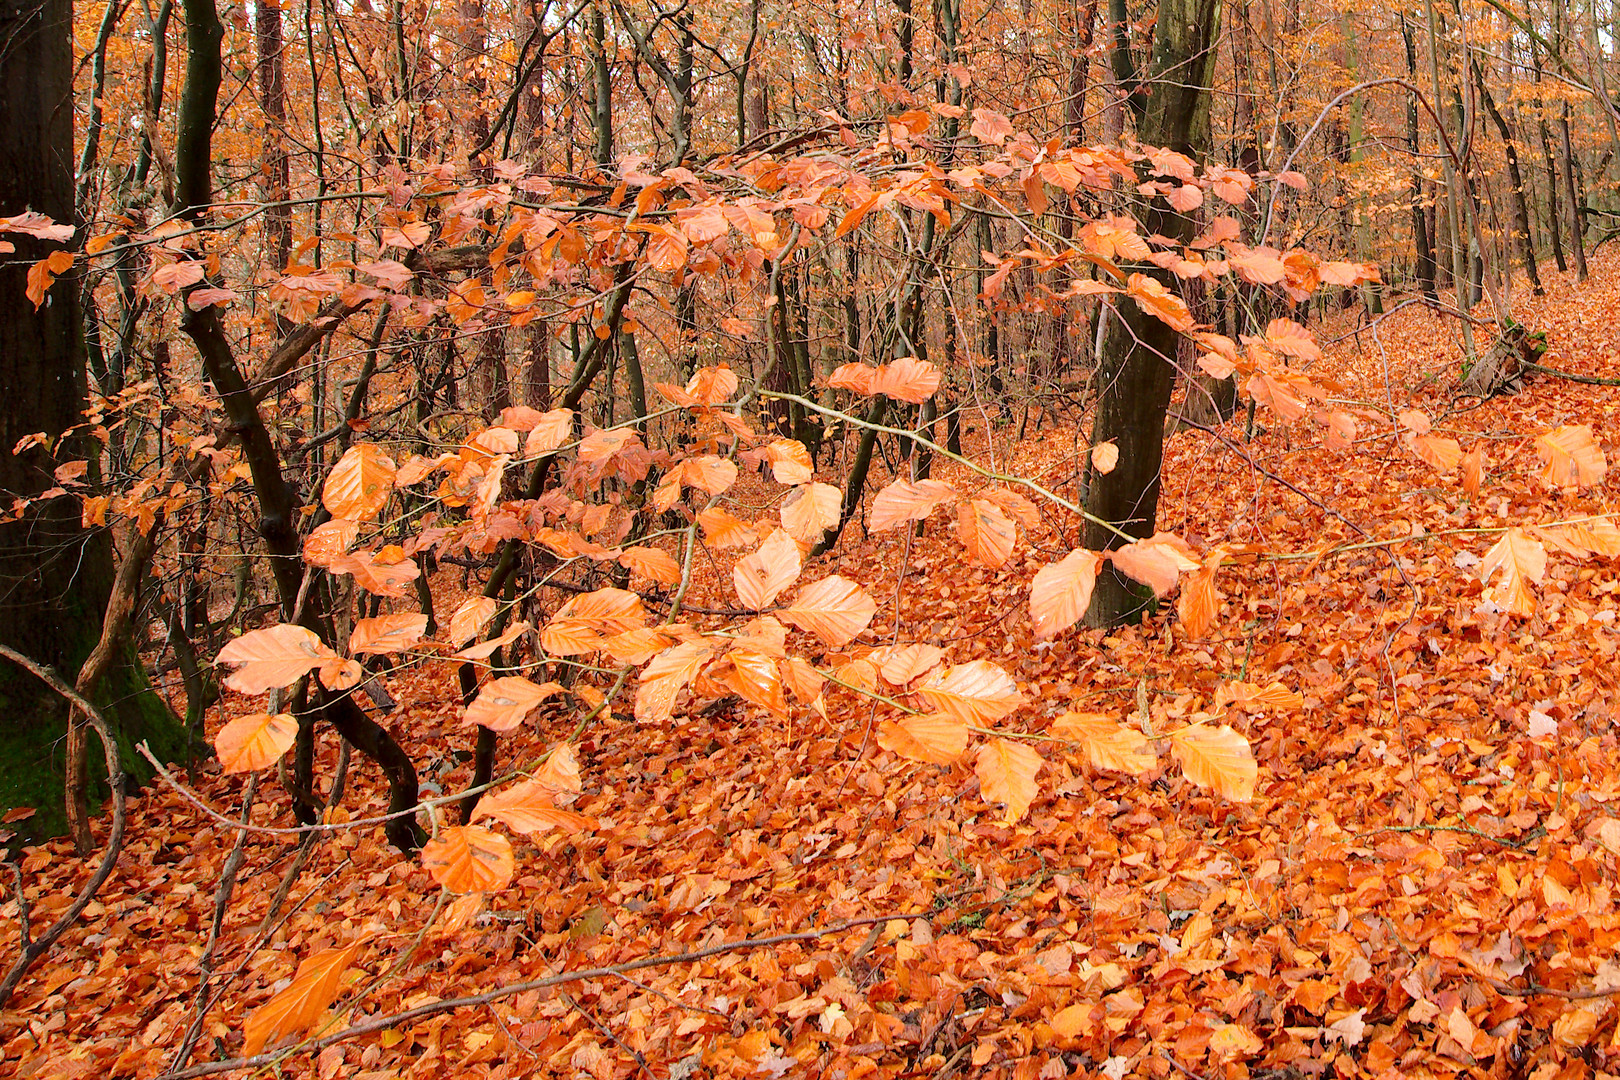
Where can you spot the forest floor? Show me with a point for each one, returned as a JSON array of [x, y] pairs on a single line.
[[1423, 883]]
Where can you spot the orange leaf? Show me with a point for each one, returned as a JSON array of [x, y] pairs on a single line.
[[1104, 456], [907, 379], [469, 858], [1218, 759], [305, 1000], [1443, 454], [1473, 471], [811, 510], [252, 742], [1153, 298], [977, 692], [904, 501], [1007, 775], [359, 484], [667, 675], [1572, 456], [1061, 592], [1200, 600], [790, 462], [1522, 561], [1291, 339], [272, 658], [723, 530], [470, 618], [903, 666], [528, 807], [386, 634], [759, 577], [1107, 743], [1156, 562], [502, 704], [651, 563], [835, 609], [935, 738], [755, 678], [551, 430], [483, 649], [986, 531], [561, 770], [330, 540], [857, 377]]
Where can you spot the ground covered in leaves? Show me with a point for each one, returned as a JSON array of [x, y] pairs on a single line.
[[1422, 885]]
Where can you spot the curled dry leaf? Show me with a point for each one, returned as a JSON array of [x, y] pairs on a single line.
[[1218, 759], [253, 742], [468, 859]]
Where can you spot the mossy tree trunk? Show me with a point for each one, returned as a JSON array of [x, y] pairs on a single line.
[[55, 576]]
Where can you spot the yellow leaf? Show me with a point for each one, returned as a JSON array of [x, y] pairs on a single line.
[[1218, 759], [1108, 744], [469, 858], [300, 1006], [252, 742], [1007, 775]]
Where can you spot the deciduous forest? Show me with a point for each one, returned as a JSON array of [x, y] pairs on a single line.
[[677, 538]]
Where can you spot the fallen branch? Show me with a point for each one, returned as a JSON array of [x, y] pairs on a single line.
[[433, 1008]]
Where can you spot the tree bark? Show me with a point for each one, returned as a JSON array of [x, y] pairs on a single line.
[[55, 575], [1137, 371]]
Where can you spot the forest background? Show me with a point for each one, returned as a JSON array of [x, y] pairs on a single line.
[[744, 539]]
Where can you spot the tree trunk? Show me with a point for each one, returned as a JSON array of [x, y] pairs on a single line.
[[55, 576], [1137, 371]]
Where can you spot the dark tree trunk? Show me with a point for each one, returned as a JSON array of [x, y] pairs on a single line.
[[1137, 371], [55, 576]]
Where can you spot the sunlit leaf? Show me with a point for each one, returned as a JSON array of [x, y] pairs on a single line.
[[300, 1006], [933, 738], [977, 692], [811, 510], [835, 609], [759, 577], [1218, 759], [359, 484], [253, 742], [1006, 772], [1572, 456], [1107, 743], [1516, 561], [469, 858]]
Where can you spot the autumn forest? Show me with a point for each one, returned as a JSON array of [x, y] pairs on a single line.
[[681, 538]]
